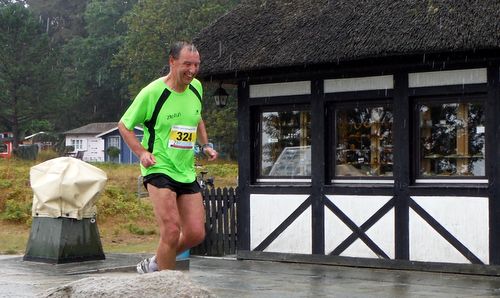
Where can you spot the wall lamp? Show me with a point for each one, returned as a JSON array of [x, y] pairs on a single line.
[[220, 96]]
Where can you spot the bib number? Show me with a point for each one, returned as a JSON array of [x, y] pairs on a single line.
[[182, 137]]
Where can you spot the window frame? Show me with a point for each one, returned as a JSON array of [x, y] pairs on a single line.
[[416, 102], [332, 139], [257, 112]]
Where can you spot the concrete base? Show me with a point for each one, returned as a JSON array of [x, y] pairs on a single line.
[[63, 240]]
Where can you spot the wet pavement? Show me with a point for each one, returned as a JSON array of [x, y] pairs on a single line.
[[228, 277]]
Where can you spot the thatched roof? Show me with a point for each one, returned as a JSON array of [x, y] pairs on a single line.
[[260, 34]]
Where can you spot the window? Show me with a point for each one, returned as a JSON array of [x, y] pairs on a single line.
[[3, 148], [77, 144], [285, 143], [363, 140], [114, 142], [452, 138]]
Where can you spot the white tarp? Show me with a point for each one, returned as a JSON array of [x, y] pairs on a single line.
[[66, 187]]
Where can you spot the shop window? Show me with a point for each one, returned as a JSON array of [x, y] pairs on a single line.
[[364, 142], [452, 139], [285, 143]]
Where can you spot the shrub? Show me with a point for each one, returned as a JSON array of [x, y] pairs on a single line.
[[113, 153], [17, 211], [28, 152]]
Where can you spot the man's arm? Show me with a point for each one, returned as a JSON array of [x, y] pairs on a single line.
[[147, 159], [203, 139]]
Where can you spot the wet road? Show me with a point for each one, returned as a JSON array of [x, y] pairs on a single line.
[[227, 277]]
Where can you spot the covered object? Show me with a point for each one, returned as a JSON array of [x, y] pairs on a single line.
[[64, 228]]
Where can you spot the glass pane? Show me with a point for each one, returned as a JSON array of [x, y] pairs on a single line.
[[114, 142], [452, 139], [364, 141], [286, 143]]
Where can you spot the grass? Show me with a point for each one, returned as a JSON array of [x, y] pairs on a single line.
[[126, 224]]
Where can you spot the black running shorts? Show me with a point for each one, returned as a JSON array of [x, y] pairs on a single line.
[[164, 181]]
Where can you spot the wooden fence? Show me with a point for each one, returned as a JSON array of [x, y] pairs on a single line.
[[220, 225]]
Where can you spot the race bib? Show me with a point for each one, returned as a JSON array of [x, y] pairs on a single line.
[[182, 137]]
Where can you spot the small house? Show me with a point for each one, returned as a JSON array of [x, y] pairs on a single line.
[[84, 139], [368, 130], [122, 152]]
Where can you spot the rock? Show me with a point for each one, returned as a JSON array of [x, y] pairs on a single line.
[[167, 283]]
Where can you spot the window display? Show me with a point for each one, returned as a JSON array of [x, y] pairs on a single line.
[[364, 141], [285, 143], [452, 139]]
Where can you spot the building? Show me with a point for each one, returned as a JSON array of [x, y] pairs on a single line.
[[394, 102], [112, 138], [6, 144], [85, 139]]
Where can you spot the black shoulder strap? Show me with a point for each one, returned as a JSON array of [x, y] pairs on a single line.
[[150, 124], [192, 88]]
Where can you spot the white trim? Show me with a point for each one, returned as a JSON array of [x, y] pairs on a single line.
[[283, 180], [359, 84], [364, 181], [280, 89], [454, 181], [447, 77], [113, 129]]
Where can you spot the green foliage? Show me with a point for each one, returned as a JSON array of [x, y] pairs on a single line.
[[222, 123], [26, 152], [117, 201], [113, 152], [27, 73], [137, 230], [5, 183], [16, 210], [153, 25], [61, 19]]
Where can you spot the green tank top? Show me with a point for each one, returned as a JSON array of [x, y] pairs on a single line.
[[170, 121]]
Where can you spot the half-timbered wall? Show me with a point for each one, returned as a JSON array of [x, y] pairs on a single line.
[[401, 214]]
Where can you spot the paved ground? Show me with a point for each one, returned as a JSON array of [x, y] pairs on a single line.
[[233, 278]]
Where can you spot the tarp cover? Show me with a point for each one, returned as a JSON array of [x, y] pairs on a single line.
[[66, 187]]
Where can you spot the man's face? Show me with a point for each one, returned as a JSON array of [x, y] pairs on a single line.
[[186, 66]]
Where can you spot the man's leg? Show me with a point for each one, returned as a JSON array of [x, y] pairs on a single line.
[[192, 218], [167, 215]]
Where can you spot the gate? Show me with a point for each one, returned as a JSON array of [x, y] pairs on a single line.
[[220, 223]]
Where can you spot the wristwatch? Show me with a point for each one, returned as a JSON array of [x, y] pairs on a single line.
[[205, 146]]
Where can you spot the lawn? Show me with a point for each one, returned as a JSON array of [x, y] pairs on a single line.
[[126, 222]]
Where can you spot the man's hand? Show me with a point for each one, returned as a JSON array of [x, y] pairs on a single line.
[[147, 159], [210, 153]]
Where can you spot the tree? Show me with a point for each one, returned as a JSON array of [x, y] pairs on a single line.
[[26, 70], [153, 25], [94, 86], [61, 19]]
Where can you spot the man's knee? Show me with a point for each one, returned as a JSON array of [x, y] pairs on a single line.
[[195, 237], [170, 234]]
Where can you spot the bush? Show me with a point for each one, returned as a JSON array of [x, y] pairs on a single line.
[[27, 152], [17, 211], [113, 153]]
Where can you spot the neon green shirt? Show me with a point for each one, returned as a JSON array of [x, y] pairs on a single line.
[[170, 120]]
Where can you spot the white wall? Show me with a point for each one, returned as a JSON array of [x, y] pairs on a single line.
[[359, 209], [267, 212], [93, 147], [466, 218]]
